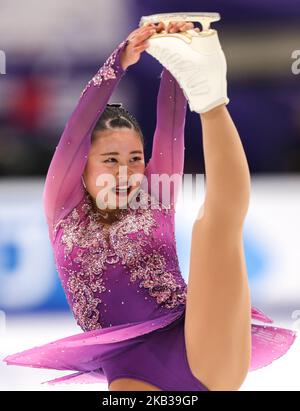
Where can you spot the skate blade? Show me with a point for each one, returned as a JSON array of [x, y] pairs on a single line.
[[205, 19]]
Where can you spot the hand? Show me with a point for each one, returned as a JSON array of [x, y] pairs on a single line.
[[176, 26], [138, 39], [137, 43]]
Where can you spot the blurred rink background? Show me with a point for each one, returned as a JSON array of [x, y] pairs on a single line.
[[52, 49]]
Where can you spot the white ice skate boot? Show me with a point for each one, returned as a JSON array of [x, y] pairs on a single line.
[[195, 59]]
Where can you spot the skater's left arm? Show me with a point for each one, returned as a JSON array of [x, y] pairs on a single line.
[[168, 142]]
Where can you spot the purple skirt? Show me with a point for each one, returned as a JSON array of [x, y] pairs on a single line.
[[153, 351]]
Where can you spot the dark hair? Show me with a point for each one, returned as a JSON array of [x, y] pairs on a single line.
[[116, 116]]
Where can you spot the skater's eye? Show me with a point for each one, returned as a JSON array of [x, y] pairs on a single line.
[[112, 159], [136, 158], [108, 160]]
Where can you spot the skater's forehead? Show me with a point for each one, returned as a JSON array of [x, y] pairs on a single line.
[[117, 152], [117, 144], [118, 134]]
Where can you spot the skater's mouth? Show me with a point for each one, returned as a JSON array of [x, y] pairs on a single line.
[[122, 190]]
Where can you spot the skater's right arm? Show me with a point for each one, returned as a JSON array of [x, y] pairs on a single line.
[[63, 186]]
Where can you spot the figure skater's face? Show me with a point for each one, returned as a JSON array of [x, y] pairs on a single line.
[[115, 159]]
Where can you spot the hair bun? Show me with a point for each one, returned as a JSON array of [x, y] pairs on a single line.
[[115, 105]]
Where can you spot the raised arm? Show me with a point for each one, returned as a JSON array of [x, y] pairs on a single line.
[[63, 186], [168, 141]]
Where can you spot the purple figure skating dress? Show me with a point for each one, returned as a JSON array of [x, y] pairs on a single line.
[[124, 284]]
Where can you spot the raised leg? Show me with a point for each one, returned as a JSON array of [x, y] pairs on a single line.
[[131, 384], [218, 310]]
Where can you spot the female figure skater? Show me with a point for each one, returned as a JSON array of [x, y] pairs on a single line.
[[143, 327]]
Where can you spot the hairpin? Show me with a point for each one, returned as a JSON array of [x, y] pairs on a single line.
[[115, 105]]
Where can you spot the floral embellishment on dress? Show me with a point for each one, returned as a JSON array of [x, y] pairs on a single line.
[[126, 243], [162, 285], [84, 301], [107, 71]]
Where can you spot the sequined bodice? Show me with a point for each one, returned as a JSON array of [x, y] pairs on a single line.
[[134, 262]]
